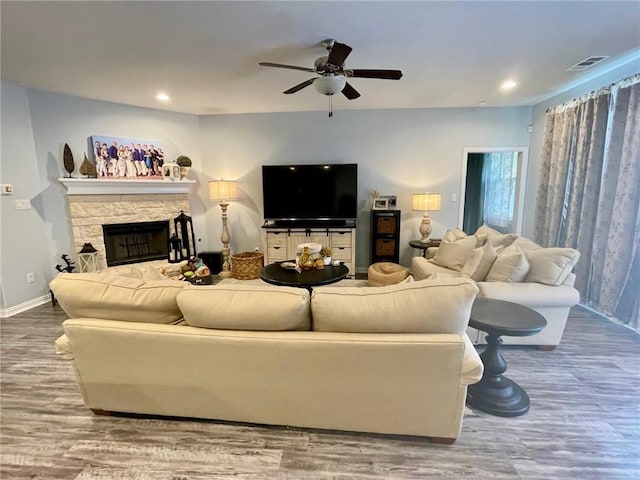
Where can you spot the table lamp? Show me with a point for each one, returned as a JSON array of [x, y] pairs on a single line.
[[425, 202], [223, 191]]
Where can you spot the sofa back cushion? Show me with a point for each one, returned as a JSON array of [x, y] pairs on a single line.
[[246, 307], [511, 265], [426, 306], [479, 262], [551, 266], [115, 297], [495, 237], [454, 255]]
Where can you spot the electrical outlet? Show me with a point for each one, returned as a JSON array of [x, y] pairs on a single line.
[[454, 197], [6, 189], [31, 277]]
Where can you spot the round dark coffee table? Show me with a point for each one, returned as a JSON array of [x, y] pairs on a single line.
[[276, 275], [495, 393]]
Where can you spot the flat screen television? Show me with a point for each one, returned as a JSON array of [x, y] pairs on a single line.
[[324, 192]]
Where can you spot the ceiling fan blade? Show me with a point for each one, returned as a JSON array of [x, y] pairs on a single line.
[[382, 74], [338, 54], [300, 86], [290, 67], [350, 92]]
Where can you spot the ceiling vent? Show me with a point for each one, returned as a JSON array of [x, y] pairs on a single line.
[[586, 63]]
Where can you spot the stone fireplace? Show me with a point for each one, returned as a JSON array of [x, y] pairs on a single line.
[[117, 203]]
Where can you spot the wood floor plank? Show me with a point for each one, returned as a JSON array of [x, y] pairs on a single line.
[[584, 423]]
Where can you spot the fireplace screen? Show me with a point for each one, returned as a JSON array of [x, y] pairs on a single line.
[[136, 242]]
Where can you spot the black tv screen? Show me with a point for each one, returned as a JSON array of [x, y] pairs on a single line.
[[310, 192]]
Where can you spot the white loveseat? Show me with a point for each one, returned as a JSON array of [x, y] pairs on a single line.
[[509, 268], [392, 360]]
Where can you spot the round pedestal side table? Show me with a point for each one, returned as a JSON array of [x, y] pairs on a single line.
[[495, 393]]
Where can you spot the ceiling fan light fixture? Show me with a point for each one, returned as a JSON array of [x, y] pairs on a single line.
[[330, 84]]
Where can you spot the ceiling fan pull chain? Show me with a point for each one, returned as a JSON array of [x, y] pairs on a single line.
[[330, 105]]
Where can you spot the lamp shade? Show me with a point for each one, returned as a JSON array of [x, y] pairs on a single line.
[[427, 201], [222, 190], [330, 85]]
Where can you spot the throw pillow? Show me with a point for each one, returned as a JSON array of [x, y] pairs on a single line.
[[510, 266], [495, 237], [525, 244], [459, 234], [454, 255], [449, 236], [480, 262], [551, 265]]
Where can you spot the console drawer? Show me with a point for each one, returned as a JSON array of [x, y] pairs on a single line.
[[341, 253], [277, 254], [341, 238], [276, 238]]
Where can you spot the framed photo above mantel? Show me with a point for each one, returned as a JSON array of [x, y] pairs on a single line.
[[120, 157]]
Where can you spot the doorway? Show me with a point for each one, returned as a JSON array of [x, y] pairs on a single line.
[[492, 189]]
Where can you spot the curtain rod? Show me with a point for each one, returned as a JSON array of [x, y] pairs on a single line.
[[623, 83]]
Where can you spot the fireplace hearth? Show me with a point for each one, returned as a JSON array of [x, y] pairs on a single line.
[[136, 242]]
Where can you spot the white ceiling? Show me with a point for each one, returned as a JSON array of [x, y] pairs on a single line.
[[205, 54]]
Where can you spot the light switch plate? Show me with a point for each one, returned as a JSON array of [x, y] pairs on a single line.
[[23, 204]]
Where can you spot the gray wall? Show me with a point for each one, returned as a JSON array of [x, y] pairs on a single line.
[[539, 112], [398, 152], [24, 234]]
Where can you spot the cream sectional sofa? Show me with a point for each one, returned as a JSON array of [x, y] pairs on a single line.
[[511, 268], [392, 360]]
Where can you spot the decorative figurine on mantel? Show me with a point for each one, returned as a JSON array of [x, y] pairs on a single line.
[[67, 160], [184, 163], [87, 168]]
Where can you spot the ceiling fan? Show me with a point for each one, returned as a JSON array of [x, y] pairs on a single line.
[[333, 75]]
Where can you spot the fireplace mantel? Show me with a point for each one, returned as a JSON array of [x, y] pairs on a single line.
[[116, 186]]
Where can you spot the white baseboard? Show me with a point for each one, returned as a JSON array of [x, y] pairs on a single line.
[[23, 307]]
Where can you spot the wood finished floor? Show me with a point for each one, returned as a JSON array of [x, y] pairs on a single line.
[[584, 424]]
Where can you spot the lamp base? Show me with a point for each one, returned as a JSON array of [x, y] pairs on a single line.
[[425, 228], [225, 274]]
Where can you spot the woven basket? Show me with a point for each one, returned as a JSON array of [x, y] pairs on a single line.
[[386, 273], [246, 265]]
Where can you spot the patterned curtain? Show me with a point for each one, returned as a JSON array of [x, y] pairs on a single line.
[[615, 285], [589, 195]]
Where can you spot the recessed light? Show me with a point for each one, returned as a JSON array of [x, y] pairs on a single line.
[[163, 97], [508, 85]]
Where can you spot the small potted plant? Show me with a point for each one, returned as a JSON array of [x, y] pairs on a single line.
[[184, 163], [326, 255]]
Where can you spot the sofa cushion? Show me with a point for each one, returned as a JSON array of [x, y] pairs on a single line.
[[115, 297], [426, 306], [480, 262], [525, 245], [511, 265], [454, 255], [495, 237], [246, 307], [551, 265]]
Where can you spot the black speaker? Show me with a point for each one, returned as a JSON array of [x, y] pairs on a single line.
[[213, 260]]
